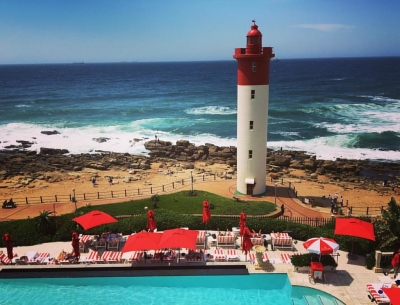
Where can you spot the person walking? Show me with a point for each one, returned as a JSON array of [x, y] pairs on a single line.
[[9, 245], [395, 262]]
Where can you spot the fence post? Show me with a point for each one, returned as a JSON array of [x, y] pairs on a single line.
[[138, 192], [382, 210], [125, 193], [41, 199], [183, 182], [55, 197], [173, 185], [84, 196], [203, 177], [70, 197], [282, 181], [163, 188], [112, 194], [367, 210], [151, 190], [98, 195], [26, 200]]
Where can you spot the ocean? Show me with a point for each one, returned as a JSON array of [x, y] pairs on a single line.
[[331, 108]]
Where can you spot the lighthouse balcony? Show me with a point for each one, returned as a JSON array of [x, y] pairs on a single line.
[[265, 52]]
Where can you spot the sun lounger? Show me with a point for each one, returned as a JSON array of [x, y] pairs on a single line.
[[282, 240], [257, 241], [5, 260], [226, 241], [376, 294], [219, 255], [135, 257], [286, 258], [112, 257], [232, 255], [91, 258], [200, 240], [84, 242]]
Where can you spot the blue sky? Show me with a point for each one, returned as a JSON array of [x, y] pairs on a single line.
[[56, 31]]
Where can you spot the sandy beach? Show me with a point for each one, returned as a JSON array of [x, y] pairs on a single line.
[[62, 184]]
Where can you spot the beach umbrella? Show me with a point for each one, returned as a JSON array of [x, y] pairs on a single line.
[[393, 294], [9, 245], [179, 238], [75, 244], [93, 219], [206, 211], [151, 221], [242, 222], [356, 228], [246, 241], [142, 241], [321, 245]]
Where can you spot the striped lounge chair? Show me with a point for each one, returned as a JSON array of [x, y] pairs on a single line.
[[376, 294], [226, 241], [91, 258], [257, 241], [111, 257], [219, 255], [282, 240], [232, 255], [200, 240], [132, 257], [5, 260]]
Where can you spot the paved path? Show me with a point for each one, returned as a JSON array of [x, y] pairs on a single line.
[[225, 188]]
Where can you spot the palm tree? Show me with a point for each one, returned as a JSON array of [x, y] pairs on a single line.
[[388, 228], [46, 222]]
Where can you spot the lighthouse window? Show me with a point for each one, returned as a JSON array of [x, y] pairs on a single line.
[[254, 66], [253, 94], [250, 154], [251, 124]]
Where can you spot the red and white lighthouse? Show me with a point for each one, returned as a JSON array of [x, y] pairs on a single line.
[[252, 113]]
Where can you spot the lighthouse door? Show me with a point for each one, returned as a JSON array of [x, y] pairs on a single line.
[[249, 190], [250, 184]]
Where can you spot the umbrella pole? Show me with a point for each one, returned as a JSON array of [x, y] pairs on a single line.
[[351, 255]]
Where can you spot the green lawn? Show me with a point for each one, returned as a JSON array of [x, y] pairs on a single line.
[[183, 203]]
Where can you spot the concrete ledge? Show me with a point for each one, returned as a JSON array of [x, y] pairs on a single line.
[[118, 271]]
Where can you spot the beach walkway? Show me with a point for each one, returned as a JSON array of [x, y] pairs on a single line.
[[225, 188]]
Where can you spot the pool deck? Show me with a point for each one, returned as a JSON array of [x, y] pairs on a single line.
[[347, 282]]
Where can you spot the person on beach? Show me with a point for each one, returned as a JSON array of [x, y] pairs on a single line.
[[110, 180], [94, 181]]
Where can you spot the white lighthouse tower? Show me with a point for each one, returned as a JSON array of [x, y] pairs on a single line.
[[252, 113]]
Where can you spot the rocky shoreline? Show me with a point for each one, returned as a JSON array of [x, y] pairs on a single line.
[[19, 162]]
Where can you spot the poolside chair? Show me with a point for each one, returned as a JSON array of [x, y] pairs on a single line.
[[376, 294], [5, 260], [232, 255], [200, 240], [101, 244], [113, 244], [219, 255], [111, 257], [263, 261], [132, 257], [91, 258], [286, 258]]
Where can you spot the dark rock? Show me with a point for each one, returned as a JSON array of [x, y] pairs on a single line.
[[50, 132]]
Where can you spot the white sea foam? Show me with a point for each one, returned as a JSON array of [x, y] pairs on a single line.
[[216, 110]]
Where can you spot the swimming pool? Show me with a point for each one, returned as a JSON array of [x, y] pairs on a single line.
[[189, 290]]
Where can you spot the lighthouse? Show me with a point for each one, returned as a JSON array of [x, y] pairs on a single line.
[[252, 113]]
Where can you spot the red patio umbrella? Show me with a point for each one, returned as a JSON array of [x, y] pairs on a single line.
[[151, 221], [142, 241], [246, 242], [393, 294], [356, 228], [179, 238], [75, 244], [9, 245], [321, 245], [206, 211], [93, 219], [242, 222]]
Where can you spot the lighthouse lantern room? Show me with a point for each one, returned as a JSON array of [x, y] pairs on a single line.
[[252, 113]]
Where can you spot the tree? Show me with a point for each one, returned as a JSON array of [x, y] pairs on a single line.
[[388, 228], [46, 223]]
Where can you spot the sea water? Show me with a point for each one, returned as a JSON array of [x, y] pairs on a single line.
[[196, 290], [331, 108]]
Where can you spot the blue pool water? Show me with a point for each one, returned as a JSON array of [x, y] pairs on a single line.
[[238, 289]]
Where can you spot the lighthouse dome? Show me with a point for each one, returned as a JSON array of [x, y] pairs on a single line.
[[254, 40]]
